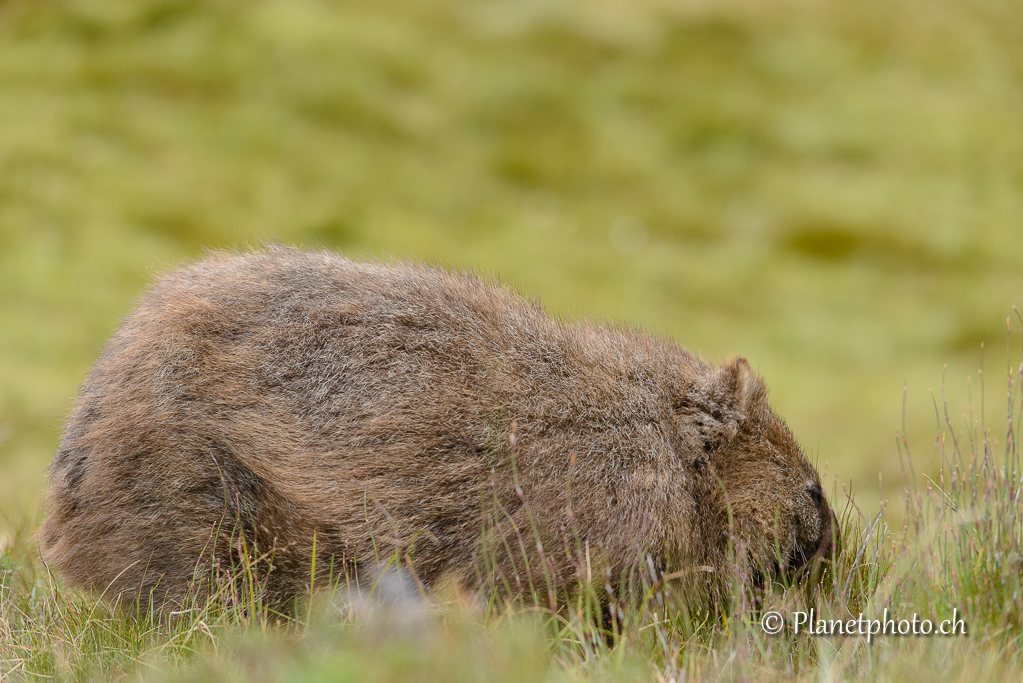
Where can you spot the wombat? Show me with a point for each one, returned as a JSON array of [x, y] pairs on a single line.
[[255, 404]]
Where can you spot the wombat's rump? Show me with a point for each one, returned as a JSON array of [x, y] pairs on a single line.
[[255, 401]]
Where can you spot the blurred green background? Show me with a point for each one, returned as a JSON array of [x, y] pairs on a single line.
[[833, 188]]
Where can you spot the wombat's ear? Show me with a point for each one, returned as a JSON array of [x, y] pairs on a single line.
[[729, 396], [736, 388]]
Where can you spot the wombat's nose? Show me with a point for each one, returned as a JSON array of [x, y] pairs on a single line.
[[829, 535]]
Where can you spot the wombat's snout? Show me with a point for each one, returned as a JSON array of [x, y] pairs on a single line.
[[828, 540], [825, 545], [830, 536], [819, 547]]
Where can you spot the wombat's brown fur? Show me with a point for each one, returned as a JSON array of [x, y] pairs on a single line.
[[257, 400]]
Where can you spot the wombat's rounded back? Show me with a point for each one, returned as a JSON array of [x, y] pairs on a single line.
[[270, 398]]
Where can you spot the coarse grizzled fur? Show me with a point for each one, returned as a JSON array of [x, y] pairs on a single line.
[[254, 402]]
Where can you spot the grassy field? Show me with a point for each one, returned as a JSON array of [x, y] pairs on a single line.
[[954, 564], [833, 189]]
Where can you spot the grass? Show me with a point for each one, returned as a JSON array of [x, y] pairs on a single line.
[[957, 554], [829, 187]]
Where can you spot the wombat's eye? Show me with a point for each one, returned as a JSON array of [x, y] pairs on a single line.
[[816, 494]]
